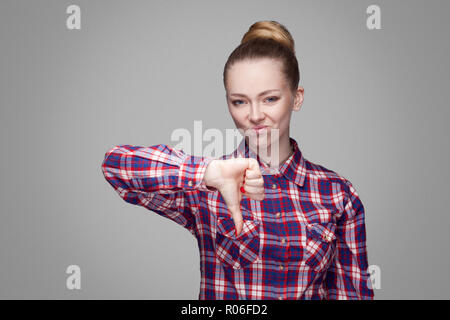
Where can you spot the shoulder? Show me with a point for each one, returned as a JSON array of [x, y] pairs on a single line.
[[327, 176], [333, 184]]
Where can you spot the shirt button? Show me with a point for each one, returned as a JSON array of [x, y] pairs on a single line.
[[280, 298], [281, 267], [326, 237], [274, 186], [190, 183], [283, 240], [278, 214]]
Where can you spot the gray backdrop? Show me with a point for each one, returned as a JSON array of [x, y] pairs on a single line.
[[375, 111]]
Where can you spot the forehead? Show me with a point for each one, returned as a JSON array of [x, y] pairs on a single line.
[[250, 77]]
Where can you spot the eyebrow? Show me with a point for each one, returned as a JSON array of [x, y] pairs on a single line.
[[261, 94]]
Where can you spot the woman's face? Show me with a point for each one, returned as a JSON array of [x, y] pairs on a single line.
[[258, 95]]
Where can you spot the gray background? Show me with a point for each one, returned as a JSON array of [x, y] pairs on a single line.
[[375, 111]]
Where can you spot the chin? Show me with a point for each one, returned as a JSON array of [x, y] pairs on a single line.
[[260, 142]]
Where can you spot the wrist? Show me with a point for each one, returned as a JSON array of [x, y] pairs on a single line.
[[209, 177]]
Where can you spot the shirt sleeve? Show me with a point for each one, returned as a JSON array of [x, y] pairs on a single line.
[[157, 178], [348, 277]]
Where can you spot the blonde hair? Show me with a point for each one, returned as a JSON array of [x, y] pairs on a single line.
[[270, 30], [267, 39]]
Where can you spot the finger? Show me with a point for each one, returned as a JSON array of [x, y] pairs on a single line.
[[259, 182], [253, 173], [256, 196], [253, 189], [253, 164]]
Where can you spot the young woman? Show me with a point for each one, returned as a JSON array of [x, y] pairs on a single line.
[[298, 233]]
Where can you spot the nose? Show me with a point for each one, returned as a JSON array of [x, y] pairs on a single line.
[[255, 114]]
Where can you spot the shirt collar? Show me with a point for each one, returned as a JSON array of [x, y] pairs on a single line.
[[294, 168]]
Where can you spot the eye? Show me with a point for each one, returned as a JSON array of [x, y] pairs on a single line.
[[235, 102], [273, 99]]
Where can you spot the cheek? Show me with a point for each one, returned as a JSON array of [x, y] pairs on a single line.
[[284, 124], [237, 116], [282, 115], [286, 118]]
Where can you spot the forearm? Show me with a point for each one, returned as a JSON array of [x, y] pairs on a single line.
[[154, 169]]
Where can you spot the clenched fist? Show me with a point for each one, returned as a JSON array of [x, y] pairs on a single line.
[[228, 176]]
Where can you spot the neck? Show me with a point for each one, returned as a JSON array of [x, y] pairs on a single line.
[[285, 150]]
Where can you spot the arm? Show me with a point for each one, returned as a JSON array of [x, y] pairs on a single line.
[[348, 276], [156, 178]]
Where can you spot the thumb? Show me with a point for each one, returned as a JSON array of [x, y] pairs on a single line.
[[236, 214], [238, 221], [232, 198]]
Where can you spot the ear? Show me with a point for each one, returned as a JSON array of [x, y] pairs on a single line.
[[298, 100]]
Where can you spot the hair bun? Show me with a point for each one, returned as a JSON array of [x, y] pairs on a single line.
[[270, 29]]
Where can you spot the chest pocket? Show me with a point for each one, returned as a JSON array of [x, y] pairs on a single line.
[[237, 251], [320, 244]]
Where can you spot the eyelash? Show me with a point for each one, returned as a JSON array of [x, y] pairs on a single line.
[[275, 100]]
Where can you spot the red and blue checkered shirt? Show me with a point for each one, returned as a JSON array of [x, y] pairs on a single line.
[[305, 240]]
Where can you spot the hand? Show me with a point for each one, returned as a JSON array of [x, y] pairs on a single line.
[[228, 176]]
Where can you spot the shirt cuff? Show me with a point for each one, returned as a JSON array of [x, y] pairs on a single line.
[[191, 173]]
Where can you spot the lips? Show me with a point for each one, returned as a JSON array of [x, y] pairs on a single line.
[[259, 128]]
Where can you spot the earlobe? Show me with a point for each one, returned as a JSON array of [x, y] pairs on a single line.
[[298, 104]]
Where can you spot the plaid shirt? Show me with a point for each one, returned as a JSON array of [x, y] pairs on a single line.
[[305, 240]]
